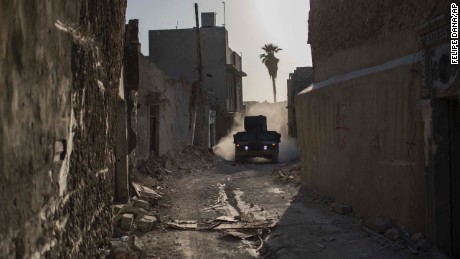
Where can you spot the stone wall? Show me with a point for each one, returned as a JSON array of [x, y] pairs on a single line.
[[60, 70]]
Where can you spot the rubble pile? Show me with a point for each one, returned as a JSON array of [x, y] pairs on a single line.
[[135, 215], [190, 159], [289, 173], [398, 238]]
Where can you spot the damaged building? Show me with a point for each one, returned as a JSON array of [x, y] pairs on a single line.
[[379, 128], [175, 53], [160, 105], [60, 83]]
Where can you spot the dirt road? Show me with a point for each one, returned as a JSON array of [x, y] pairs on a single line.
[[251, 193]]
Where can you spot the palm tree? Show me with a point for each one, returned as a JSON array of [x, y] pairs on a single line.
[[271, 62]]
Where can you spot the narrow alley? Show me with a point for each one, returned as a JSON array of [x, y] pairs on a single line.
[[215, 208], [320, 129]]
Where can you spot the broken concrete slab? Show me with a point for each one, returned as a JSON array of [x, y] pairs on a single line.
[[145, 192], [146, 223], [341, 208], [127, 221]]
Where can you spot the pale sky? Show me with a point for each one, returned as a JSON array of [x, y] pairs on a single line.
[[250, 25]]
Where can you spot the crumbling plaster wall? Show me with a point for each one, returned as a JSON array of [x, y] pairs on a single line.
[[336, 26], [173, 99], [361, 143], [59, 79], [361, 140]]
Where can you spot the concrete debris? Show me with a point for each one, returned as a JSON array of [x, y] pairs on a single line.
[[148, 181], [117, 208], [378, 225], [191, 158], [289, 173], [392, 234], [193, 225], [341, 208], [145, 192], [127, 221], [133, 215], [141, 204], [226, 219], [146, 223], [183, 225]]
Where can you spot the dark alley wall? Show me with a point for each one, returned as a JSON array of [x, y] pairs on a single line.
[[59, 80], [361, 135]]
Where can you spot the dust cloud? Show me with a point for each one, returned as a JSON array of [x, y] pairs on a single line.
[[277, 119]]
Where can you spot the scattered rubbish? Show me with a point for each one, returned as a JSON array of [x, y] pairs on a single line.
[[218, 225], [183, 225], [289, 173], [124, 238], [226, 219]]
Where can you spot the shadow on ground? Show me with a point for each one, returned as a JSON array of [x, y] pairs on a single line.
[[308, 229]]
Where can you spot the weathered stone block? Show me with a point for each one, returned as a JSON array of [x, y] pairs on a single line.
[[117, 208], [378, 225], [127, 221], [392, 234], [146, 223], [141, 204], [342, 208]]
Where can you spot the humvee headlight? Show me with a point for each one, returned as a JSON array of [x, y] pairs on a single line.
[[246, 148], [265, 147], [274, 144], [237, 145]]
